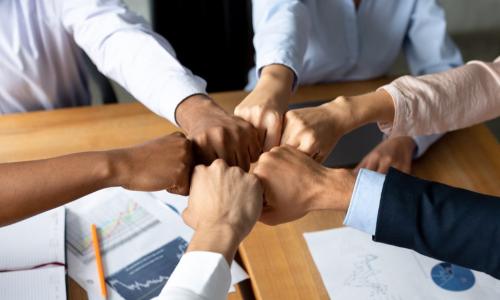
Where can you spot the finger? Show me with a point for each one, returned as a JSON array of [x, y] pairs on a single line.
[[309, 146], [274, 126], [286, 136], [371, 165], [269, 216], [384, 166], [203, 154], [253, 146], [244, 161]]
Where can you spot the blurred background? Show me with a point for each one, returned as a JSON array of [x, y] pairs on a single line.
[[214, 39]]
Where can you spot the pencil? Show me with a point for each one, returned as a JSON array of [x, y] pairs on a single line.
[[98, 260]]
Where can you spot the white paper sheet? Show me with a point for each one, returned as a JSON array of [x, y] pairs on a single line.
[[352, 266], [34, 241], [38, 284], [141, 242]]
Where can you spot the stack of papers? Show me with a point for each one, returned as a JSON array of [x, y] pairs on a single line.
[[142, 240], [352, 266], [32, 258]]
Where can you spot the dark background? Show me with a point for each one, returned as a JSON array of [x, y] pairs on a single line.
[[213, 38]]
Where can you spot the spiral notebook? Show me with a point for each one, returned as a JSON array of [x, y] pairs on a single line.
[[32, 258]]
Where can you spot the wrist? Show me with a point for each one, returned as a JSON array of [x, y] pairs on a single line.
[[276, 79], [373, 107], [223, 239], [337, 187], [193, 108], [119, 168]]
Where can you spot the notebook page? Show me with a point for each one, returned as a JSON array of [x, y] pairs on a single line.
[[34, 241], [38, 284]]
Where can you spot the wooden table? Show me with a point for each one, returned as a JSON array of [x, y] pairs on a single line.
[[276, 258]]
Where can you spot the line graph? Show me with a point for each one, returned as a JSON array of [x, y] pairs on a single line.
[[119, 220], [144, 278]]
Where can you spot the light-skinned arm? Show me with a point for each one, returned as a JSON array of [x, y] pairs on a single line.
[[31, 187], [224, 205], [266, 105]]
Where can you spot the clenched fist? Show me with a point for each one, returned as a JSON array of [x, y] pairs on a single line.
[[265, 106], [164, 163], [224, 204], [314, 130], [294, 184], [216, 134]]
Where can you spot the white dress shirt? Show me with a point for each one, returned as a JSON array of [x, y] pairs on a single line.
[[200, 275], [332, 40], [41, 65]]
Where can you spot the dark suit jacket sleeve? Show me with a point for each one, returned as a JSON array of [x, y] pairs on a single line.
[[446, 223]]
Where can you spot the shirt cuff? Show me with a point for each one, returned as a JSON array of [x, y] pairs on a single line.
[[175, 90], [203, 273], [401, 114], [423, 143], [365, 201], [279, 58]]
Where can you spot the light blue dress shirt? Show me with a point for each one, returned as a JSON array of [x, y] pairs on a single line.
[[365, 201], [331, 40]]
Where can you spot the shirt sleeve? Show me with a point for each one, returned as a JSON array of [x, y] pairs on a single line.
[[124, 47], [423, 142], [200, 275], [365, 201], [427, 46], [281, 29], [445, 101]]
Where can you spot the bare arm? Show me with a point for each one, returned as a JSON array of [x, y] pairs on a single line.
[[29, 188]]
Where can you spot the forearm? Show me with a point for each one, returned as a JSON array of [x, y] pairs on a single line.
[[222, 239], [276, 82], [446, 101], [125, 48], [356, 111], [28, 188]]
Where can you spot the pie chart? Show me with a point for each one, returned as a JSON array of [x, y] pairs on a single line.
[[452, 277]]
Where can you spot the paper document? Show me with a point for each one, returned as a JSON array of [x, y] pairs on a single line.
[[353, 266], [37, 284], [32, 258], [142, 241]]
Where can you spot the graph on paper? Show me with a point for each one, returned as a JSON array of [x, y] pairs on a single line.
[[118, 220], [145, 278]]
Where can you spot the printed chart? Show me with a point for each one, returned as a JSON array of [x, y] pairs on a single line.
[[118, 220], [145, 278], [452, 277]]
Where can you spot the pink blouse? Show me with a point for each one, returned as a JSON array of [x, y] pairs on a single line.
[[445, 101]]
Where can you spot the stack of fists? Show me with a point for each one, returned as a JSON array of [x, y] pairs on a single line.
[[286, 181]]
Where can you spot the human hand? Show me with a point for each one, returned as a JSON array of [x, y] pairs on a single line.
[[265, 105], [224, 204], [294, 184], [216, 134], [315, 130], [394, 152], [164, 163]]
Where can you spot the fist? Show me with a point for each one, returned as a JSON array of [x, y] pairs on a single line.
[[223, 196], [216, 134], [293, 184], [314, 131], [164, 163]]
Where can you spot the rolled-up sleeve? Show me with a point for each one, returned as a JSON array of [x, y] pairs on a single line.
[[125, 48], [445, 101], [281, 28]]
